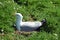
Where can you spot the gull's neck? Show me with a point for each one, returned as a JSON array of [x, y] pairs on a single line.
[[18, 22]]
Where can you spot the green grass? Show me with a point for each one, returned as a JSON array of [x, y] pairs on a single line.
[[32, 10]]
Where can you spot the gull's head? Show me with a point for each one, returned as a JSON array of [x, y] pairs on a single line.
[[19, 15]]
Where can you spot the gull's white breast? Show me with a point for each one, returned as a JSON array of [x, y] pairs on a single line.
[[31, 24]]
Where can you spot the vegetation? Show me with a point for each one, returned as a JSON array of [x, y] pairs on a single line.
[[32, 10]]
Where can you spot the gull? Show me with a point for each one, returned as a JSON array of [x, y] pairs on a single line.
[[27, 26]]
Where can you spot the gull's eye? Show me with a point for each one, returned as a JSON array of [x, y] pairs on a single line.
[[17, 15]]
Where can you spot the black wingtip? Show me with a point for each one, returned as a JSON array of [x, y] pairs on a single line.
[[43, 24], [44, 21]]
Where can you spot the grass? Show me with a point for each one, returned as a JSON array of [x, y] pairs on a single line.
[[32, 10]]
